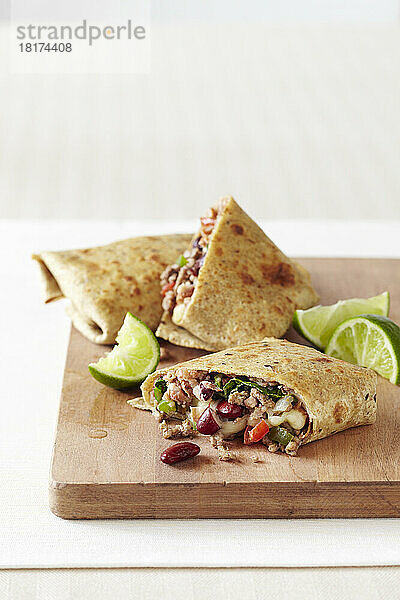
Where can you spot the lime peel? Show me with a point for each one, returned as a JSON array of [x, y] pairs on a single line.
[[135, 356], [370, 341], [317, 324]]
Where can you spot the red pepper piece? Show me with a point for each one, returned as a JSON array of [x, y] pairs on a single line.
[[255, 434], [167, 288]]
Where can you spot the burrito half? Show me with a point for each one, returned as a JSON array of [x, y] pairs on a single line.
[[273, 391], [106, 282], [232, 286]]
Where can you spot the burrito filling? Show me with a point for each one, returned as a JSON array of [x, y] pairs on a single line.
[[179, 280], [190, 401]]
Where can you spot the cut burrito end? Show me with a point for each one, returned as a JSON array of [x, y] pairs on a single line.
[[178, 281], [232, 285], [275, 392]]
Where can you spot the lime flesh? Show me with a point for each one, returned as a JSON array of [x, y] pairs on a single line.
[[135, 356], [317, 324], [369, 341]]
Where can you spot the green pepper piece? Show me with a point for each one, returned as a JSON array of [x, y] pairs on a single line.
[[182, 261], [280, 435], [166, 406], [160, 387]]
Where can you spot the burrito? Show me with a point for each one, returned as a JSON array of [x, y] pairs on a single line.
[[106, 282], [272, 391], [232, 286]]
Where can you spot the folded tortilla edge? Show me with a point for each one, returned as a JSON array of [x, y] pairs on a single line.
[[50, 288]]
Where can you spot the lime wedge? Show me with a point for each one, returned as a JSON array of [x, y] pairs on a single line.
[[135, 356], [369, 341], [318, 323]]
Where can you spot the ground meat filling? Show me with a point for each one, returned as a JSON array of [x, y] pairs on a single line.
[[260, 411], [178, 282]]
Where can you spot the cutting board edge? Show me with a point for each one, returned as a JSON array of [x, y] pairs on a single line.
[[310, 499]]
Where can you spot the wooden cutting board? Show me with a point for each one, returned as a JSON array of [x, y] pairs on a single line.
[[106, 455]]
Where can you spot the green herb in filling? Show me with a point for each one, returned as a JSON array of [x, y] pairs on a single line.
[[182, 261], [236, 385]]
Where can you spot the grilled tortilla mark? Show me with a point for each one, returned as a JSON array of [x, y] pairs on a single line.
[[277, 309], [281, 274], [237, 229], [339, 412], [246, 278]]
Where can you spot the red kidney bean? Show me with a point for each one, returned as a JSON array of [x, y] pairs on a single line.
[[229, 411], [179, 452], [206, 423]]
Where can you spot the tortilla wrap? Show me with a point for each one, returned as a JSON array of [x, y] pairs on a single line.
[[105, 282], [246, 289], [336, 394]]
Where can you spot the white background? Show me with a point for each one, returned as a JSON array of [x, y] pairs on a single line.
[[291, 107]]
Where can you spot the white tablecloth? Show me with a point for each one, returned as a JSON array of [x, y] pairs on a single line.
[[32, 358]]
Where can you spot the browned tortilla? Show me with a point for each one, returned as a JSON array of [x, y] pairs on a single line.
[[106, 282], [247, 288], [336, 394]]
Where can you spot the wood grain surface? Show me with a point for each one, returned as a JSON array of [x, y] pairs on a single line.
[[106, 455]]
